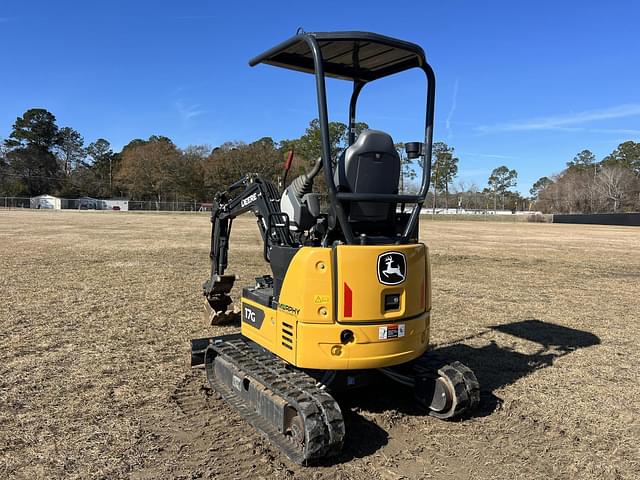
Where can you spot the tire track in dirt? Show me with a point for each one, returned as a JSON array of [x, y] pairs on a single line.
[[222, 445], [227, 446]]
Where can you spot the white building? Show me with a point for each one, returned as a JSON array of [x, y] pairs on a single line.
[[46, 201], [114, 204]]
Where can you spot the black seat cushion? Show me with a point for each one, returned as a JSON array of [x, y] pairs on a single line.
[[370, 165]]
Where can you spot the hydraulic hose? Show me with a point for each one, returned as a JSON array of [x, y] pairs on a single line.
[[303, 184]]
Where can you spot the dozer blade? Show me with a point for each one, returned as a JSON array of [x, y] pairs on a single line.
[[286, 405]]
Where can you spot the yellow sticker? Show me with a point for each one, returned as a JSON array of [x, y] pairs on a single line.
[[321, 299]]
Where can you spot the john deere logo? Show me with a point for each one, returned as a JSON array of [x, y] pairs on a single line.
[[392, 268]]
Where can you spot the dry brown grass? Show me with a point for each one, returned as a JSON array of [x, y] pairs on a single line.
[[97, 310]]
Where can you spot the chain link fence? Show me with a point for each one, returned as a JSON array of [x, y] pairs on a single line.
[[170, 206], [14, 203], [156, 206]]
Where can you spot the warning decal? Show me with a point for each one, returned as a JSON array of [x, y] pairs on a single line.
[[321, 299], [391, 331]]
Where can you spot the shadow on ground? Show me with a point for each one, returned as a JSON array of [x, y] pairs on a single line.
[[362, 438], [495, 367]]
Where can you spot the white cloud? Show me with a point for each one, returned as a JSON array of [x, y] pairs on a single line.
[[565, 122], [487, 155], [187, 112], [454, 104], [623, 131]]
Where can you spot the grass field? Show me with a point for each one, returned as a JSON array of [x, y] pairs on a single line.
[[97, 310]]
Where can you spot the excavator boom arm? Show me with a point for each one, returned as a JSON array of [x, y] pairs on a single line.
[[258, 196]]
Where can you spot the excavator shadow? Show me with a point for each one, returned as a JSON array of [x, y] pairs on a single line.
[[495, 363]]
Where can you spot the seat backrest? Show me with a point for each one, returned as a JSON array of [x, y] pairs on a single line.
[[370, 165]]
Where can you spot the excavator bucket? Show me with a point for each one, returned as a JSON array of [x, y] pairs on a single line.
[[220, 311], [218, 306]]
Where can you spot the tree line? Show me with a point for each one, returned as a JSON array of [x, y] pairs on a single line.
[[40, 157], [590, 186]]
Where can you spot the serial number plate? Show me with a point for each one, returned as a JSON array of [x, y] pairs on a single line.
[[391, 331]]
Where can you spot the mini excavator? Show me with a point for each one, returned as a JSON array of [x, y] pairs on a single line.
[[348, 301]]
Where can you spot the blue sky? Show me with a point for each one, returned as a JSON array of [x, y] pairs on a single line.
[[525, 84]]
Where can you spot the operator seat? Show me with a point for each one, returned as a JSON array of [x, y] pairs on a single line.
[[370, 165]]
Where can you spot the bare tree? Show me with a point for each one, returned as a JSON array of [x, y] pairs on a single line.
[[612, 182], [459, 189]]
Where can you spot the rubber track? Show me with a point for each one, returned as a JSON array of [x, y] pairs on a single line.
[[464, 381], [322, 418]]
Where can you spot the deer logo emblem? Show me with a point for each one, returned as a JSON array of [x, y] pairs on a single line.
[[392, 268]]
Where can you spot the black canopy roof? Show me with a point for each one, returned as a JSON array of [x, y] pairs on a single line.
[[359, 56]]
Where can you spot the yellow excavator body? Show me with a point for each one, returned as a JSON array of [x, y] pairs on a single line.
[[348, 307]]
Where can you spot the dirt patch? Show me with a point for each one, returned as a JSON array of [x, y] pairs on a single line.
[[97, 312]]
